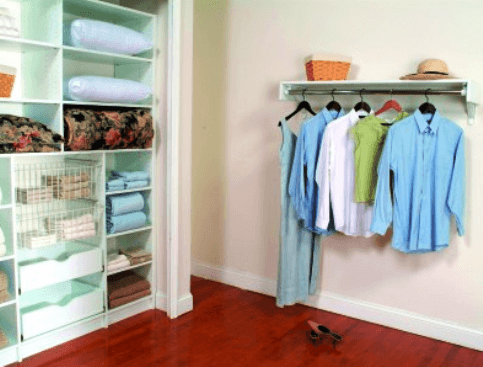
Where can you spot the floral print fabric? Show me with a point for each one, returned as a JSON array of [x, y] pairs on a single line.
[[22, 134], [93, 130]]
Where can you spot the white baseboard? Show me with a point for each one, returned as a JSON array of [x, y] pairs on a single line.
[[185, 303], [382, 315]]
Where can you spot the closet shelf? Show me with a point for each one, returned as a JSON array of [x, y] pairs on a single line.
[[6, 206], [131, 303], [80, 54], [130, 268], [469, 90], [11, 301], [115, 13], [129, 232], [29, 101], [5, 258], [103, 104], [147, 188], [24, 45]]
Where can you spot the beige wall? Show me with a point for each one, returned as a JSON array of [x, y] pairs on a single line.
[[242, 50]]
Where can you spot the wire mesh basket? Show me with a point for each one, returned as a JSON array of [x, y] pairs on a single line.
[[45, 227], [70, 179]]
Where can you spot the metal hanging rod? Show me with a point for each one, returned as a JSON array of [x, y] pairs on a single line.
[[309, 92]]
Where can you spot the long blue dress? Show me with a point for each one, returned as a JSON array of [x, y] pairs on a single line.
[[298, 264]]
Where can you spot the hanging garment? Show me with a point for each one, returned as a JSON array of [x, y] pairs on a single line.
[[335, 177], [429, 183], [303, 188], [369, 136], [299, 248]]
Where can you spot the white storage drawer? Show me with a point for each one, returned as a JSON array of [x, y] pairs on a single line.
[[58, 264], [53, 307]]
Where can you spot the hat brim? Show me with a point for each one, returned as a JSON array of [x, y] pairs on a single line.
[[426, 77]]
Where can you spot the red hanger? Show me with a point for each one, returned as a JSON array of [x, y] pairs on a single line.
[[391, 104]]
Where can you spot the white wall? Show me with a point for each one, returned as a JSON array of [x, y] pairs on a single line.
[[242, 50]]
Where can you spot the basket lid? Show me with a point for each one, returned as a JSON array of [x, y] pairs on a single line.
[[328, 57], [4, 69]]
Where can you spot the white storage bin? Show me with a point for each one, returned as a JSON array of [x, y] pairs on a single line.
[[58, 264], [53, 307]]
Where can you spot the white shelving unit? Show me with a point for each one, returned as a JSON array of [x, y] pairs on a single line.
[[77, 299], [468, 90]]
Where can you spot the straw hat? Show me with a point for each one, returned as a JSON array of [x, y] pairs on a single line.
[[430, 69]]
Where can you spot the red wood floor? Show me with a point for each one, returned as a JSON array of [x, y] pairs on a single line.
[[232, 327]]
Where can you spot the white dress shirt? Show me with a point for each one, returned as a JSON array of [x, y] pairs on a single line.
[[335, 176]]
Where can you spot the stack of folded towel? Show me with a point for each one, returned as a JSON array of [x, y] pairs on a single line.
[[35, 240], [73, 229], [137, 255], [70, 187], [117, 261], [126, 287], [3, 248], [4, 296], [35, 195], [3, 340], [124, 212], [124, 180]]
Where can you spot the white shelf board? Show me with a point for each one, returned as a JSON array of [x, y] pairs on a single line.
[[130, 268], [5, 206], [131, 303], [80, 54], [116, 13], [129, 150], [11, 301], [24, 45], [28, 101], [5, 258], [129, 232], [104, 104], [147, 188], [470, 90]]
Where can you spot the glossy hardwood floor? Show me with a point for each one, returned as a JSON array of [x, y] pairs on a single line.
[[232, 327]]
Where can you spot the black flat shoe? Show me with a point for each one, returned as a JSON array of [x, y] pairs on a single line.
[[318, 331]]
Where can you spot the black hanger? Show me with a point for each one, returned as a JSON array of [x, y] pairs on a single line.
[[304, 105], [364, 106], [333, 105], [427, 107]]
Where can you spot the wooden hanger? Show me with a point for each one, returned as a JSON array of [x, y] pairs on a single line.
[[304, 105], [362, 106], [333, 105], [427, 107]]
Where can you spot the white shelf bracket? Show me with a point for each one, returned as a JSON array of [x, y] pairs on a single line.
[[473, 98]]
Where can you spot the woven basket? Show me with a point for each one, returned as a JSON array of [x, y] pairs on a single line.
[[7, 78], [328, 67]]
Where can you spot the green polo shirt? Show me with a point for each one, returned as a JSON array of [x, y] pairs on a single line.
[[369, 136]]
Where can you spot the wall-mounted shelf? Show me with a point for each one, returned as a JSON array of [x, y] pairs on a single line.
[[468, 90]]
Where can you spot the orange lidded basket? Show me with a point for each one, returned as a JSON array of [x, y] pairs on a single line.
[[7, 78], [327, 67]]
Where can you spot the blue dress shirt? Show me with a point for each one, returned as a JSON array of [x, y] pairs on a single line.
[[303, 189], [429, 183]]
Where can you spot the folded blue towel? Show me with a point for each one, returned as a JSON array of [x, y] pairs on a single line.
[[115, 182], [126, 203], [125, 222], [131, 176], [136, 184], [115, 188]]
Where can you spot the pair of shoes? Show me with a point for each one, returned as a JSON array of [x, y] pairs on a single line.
[[318, 331]]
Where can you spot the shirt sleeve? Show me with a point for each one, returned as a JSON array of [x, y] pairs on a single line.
[[456, 197], [322, 179], [382, 211], [296, 188]]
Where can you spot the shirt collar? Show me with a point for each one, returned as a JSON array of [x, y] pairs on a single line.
[[328, 115], [423, 123], [354, 116]]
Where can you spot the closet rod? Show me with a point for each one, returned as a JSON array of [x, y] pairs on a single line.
[[376, 92]]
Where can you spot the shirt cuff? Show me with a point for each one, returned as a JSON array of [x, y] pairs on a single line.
[[379, 228]]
